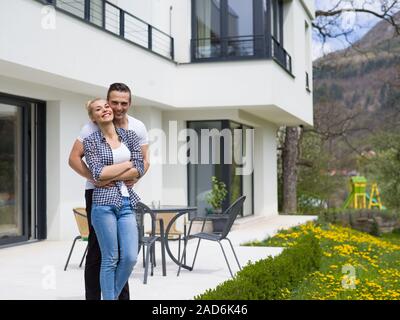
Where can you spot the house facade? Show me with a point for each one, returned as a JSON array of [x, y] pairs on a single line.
[[198, 70]]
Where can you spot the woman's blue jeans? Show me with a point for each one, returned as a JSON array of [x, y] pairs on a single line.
[[117, 233]]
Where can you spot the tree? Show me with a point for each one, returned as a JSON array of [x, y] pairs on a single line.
[[329, 24], [290, 154], [384, 168]]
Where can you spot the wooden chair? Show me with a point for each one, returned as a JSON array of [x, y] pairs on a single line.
[[83, 227]]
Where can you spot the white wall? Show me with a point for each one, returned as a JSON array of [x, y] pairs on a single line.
[[265, 177], [75, 63], [53, 172]]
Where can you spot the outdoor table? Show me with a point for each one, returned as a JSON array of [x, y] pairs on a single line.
[[179, 212]]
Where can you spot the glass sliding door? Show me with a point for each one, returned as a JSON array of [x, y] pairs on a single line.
[[247, 177], [241, 171], [216, 157], [22, 169], [12, 166], [235, 180], [200, 173]]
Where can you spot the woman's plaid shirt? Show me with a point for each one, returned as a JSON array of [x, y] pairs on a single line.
[[98, 154]]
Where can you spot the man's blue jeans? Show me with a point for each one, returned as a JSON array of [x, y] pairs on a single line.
[[116, 231]]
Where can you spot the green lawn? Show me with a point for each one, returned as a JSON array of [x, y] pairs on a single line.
[[354, 266]]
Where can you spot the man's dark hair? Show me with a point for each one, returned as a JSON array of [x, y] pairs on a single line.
[[120, 87]]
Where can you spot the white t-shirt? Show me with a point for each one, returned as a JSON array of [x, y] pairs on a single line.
[[120, 155], [133, 124]]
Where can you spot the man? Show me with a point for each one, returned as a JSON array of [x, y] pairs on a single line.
[[119, 98]]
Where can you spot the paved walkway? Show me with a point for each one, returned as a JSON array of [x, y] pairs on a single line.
[[35, 271]]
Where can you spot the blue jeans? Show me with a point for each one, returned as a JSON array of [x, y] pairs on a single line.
[[117, 233]]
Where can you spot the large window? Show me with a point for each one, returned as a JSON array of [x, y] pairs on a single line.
[[208, 31], [216, 156], [277, 19], [237, 29], [240, 28], [22, 170], [11, 171]]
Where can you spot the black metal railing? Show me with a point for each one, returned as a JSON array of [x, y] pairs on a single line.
[[279, 53], [242, 47], [115, 20]]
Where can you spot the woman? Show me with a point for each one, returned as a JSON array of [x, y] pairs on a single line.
[[113, 154]]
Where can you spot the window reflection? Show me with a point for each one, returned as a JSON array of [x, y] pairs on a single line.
[[10, 171], [240, 28], [208, 15]]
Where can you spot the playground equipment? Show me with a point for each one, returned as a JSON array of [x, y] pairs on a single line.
[[358, 196]]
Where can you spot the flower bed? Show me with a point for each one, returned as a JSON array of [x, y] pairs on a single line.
[[354, 265]]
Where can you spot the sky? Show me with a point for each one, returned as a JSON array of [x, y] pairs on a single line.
[[361, 23]]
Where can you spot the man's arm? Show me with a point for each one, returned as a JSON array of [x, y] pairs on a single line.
[[146, 157], [130, 175], [76, 163]]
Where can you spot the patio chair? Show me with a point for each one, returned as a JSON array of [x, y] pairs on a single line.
[[83, 227], [147, 241], [232, 212]]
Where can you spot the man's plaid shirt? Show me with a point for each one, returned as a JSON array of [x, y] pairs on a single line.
[[98, 154]]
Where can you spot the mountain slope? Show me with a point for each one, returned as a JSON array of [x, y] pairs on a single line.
[[364, 77]]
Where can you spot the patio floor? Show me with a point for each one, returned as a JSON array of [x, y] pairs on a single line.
[[36, 270]]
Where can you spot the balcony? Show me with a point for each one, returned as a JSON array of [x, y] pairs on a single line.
[[112, 19], [240, 48]]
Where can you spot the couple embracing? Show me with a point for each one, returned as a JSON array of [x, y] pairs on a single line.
[[115, 147]]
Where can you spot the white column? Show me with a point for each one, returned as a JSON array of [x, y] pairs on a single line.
[[53, 170], [265, 172]]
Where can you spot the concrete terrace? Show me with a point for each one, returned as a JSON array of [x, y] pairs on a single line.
[[36, 270]]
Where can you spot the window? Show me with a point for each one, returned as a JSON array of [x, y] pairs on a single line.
[[237, 29], [277, 20], [208, 31], [227, 154], [240, 28], [307, 61], [22, 168], [223, 28]]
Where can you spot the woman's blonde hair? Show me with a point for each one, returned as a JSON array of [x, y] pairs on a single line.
[[89, 106]]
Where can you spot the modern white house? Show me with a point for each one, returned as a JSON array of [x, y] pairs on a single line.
[[191, 64]]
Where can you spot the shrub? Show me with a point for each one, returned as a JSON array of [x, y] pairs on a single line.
[[271, 278], [217, 194]]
